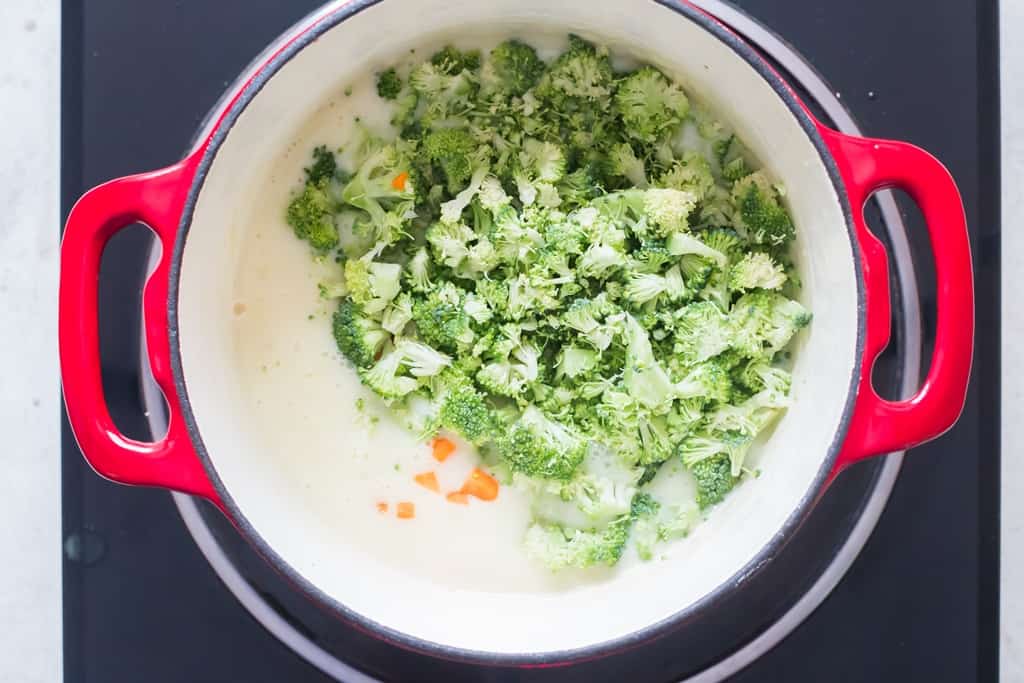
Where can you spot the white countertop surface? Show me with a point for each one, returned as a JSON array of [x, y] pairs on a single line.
[[30, 584]]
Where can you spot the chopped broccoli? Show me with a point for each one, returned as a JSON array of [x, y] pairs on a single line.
[[578, 271]]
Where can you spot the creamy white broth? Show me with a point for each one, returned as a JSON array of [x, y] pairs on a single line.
[[302, 396]]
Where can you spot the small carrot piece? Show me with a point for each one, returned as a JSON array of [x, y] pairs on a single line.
[[458, 497], [398, 182], [382, 507], [428, 480], [481, 485], [405, 510], [442, 448]]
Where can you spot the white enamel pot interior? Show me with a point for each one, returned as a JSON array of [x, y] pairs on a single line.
[[298, 532]]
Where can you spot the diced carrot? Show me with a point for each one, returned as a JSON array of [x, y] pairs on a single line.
[[405, 510], [458, 497], [442, 448], [382, 507], [481, 485], [428, 480], [398, 182]]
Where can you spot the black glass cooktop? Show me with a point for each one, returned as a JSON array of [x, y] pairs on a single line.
[[141, 603]]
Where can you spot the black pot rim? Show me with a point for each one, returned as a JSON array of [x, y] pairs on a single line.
[[228, 116]]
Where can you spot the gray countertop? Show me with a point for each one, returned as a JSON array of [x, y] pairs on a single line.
[[30, 584]]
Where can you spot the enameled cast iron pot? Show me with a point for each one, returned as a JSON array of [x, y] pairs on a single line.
[[837, 418]]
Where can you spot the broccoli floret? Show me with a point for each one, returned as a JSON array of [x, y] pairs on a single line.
[[756, 270], [441, 319], [540, 447], [760, 211], [372, 285], [323, 167], [385, 379], [398, 314], [310, 215], [701, 331], [389, 84], [766, 321], [669, 209], [623, 162], [451, 150], [465, 411], [359, 338], [714, 479], [692, 173], [516, 66], [649, 104], [581, 73], [656, 523], [542, 161], [709, 380], [560, 548], [590, 319], [381, 187], [452, 60], [509, 363], [735, 170]]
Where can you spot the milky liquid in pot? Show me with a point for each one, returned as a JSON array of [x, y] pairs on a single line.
[[343, 461]]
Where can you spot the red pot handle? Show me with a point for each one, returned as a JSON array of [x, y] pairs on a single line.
[[880, 426], [155, 199]]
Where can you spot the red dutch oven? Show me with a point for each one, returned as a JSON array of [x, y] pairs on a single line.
[[836, 419]]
